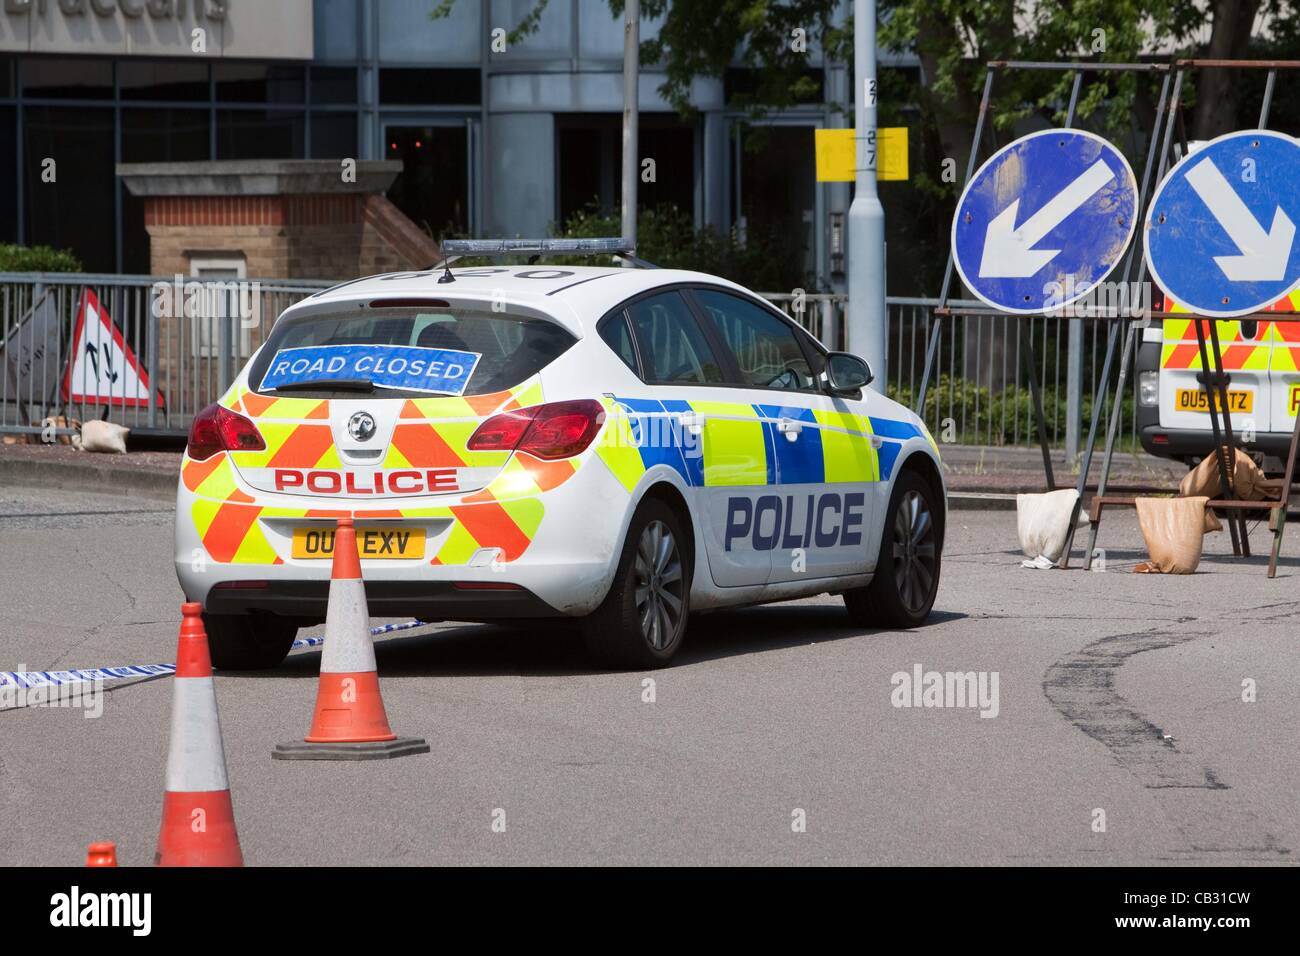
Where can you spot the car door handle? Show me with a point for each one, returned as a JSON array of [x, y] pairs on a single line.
[[693, 422], [877, 441], [789, 428]]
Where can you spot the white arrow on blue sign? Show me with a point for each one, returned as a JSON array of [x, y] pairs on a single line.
[[1221, 231], [1044, 220]]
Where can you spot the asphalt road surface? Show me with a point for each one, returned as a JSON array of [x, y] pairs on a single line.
[[1121, 735]]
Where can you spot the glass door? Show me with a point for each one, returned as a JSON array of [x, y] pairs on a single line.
[[437, 188]]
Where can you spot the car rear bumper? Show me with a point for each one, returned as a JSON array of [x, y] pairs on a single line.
[[564, 567], [429, 601], [1181, 443]]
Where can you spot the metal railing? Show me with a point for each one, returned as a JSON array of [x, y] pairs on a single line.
[[978, 393], [189, 337]]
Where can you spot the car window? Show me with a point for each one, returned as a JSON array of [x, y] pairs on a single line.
[[673, 347], [511, 348], [619, 338], [766, 348]]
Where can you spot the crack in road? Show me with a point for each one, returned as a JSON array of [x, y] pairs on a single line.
[[131, 604], [1081, 686]]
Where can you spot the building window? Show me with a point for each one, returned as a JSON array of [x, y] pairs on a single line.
[[590, 164], [220, 303], [259, 83], [333, 135], [398, 87], [75, 146], [185, 81], [83, 79], [155, 135], [334, 85], [260, 134], [434, 181], [8, 188]]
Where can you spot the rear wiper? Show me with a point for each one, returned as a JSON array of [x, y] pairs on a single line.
[[338, 384]]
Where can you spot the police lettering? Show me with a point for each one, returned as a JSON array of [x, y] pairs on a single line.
[[400, 482], [773, 522]]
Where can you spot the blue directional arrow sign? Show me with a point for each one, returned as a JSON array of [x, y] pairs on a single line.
[[1220, 235], [1044, 220]]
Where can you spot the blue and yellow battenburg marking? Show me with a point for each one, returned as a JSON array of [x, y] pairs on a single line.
[[737, 443]]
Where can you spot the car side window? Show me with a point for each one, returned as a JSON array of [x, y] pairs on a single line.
[[766, 348], [673, 347], [618, 337]]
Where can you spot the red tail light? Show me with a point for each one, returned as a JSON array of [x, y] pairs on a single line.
[[551, 431], [217, 428]]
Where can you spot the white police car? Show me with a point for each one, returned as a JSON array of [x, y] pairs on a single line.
[[619, 445]]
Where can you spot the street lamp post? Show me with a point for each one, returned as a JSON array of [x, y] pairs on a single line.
[[631, 113], [867, 320]]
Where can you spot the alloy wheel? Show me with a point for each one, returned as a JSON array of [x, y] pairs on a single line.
[[914, 552], [659, 585]]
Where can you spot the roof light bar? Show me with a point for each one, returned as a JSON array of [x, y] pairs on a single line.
[[513, 247]]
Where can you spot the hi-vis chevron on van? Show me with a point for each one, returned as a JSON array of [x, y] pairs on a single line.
[[1261, 357], [629, 445]]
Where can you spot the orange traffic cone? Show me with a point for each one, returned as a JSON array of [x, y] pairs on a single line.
[[101, 854], [350, 722], [198, 821]]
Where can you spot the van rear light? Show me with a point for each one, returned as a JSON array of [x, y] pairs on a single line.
[[1160, 439], [1149, 388], [217, 428], [551, 431]]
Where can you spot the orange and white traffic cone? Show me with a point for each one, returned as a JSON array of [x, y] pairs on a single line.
[[198, 821], [350, 722], [101, 854]]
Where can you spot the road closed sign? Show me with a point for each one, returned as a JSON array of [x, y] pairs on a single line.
[[1220, 235], [1044, 220]]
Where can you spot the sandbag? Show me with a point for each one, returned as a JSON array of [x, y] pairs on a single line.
[[1173, 529], [1248, 483], [1248, 480], [107, 437], [1043, 523]]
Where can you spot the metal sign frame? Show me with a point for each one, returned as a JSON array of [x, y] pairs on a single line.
[[1169, 112]]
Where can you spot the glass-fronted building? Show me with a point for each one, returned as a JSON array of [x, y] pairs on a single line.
[[493, 142]]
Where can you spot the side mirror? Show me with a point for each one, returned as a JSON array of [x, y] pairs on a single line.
[[846, 373]]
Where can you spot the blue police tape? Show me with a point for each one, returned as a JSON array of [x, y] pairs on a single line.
[[86, 675]]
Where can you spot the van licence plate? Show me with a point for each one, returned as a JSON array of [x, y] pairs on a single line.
[[397, 543], [1194, 400]]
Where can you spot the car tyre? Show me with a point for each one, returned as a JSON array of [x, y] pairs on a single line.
[[903, 589], [248, 642], [642, 621]]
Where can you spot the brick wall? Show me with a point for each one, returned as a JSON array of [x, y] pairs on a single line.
[[287, 237]]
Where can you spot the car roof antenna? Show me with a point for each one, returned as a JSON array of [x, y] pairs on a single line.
[[446, 270]]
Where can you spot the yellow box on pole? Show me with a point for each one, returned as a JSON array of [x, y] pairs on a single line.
[[837, 154]]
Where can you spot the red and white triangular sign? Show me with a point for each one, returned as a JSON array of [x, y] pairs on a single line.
[[102, 368]]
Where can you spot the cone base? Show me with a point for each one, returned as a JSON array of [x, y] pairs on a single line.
[[349, 710], [375, 750], [198, 829]]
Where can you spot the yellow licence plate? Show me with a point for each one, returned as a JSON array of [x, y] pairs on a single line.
[[399, 543], [1194, 400]]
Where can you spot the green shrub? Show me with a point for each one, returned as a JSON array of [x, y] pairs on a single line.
[[37, 259], [667, 237], [983, 417]]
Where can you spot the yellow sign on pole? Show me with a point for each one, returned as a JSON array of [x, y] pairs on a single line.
[[837, 154]]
